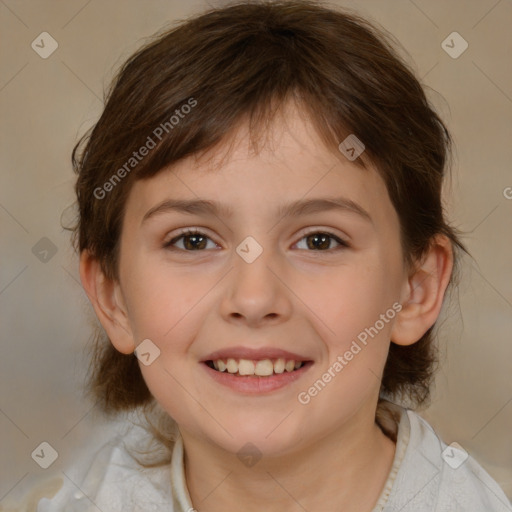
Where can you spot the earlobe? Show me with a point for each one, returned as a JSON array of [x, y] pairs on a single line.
[[107, 300], [423, 293]]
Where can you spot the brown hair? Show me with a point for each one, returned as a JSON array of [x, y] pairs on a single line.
[[240, 64]]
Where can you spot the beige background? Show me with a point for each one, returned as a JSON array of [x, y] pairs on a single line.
[[46, 103]]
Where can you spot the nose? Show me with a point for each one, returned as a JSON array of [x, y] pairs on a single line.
[[256, 293]]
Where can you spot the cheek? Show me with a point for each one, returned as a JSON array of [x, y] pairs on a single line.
[[353, 299], [168, 388], [160, 297]]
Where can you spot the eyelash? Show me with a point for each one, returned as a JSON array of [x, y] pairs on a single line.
[[194, 232]]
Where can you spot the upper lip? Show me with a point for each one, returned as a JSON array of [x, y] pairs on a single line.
[[251, 353]]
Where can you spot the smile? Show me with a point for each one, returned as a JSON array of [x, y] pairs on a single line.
[[259, 368], [255, 376]]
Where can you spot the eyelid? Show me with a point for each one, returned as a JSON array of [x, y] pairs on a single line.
[[189, 231], [327, 231], [342, 242]]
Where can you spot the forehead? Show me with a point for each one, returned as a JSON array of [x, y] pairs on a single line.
[[292, 163]]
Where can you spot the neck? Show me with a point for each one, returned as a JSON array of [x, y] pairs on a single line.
[[346, 469]]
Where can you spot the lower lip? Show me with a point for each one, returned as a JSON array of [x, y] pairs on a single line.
[[254, 385]]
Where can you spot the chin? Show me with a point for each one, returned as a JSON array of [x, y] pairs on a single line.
[[267, 438]]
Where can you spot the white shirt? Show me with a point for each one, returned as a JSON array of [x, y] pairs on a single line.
[[422, 479]]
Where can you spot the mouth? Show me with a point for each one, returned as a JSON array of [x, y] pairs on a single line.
[[253, 372], [255, 367]]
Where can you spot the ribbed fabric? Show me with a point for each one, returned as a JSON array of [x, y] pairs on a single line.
[[402, 441]]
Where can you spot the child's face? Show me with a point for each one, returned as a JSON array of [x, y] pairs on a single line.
[[292, 298]]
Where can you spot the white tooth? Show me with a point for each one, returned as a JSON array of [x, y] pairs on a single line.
[[215, 365], [298, 364], [279, 365], [290, 365], [231, 365], [245, 367], [264, 368], [221, 365]]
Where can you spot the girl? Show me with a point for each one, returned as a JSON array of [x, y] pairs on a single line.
[[262, 238]]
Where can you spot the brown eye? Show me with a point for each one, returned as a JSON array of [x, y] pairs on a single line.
[[321, 241], [192, 241], [318, 241]]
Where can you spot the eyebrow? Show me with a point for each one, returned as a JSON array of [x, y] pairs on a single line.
[[296, 208]]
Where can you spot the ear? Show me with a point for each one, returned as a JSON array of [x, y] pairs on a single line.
[[423, 293], [107, 300]]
